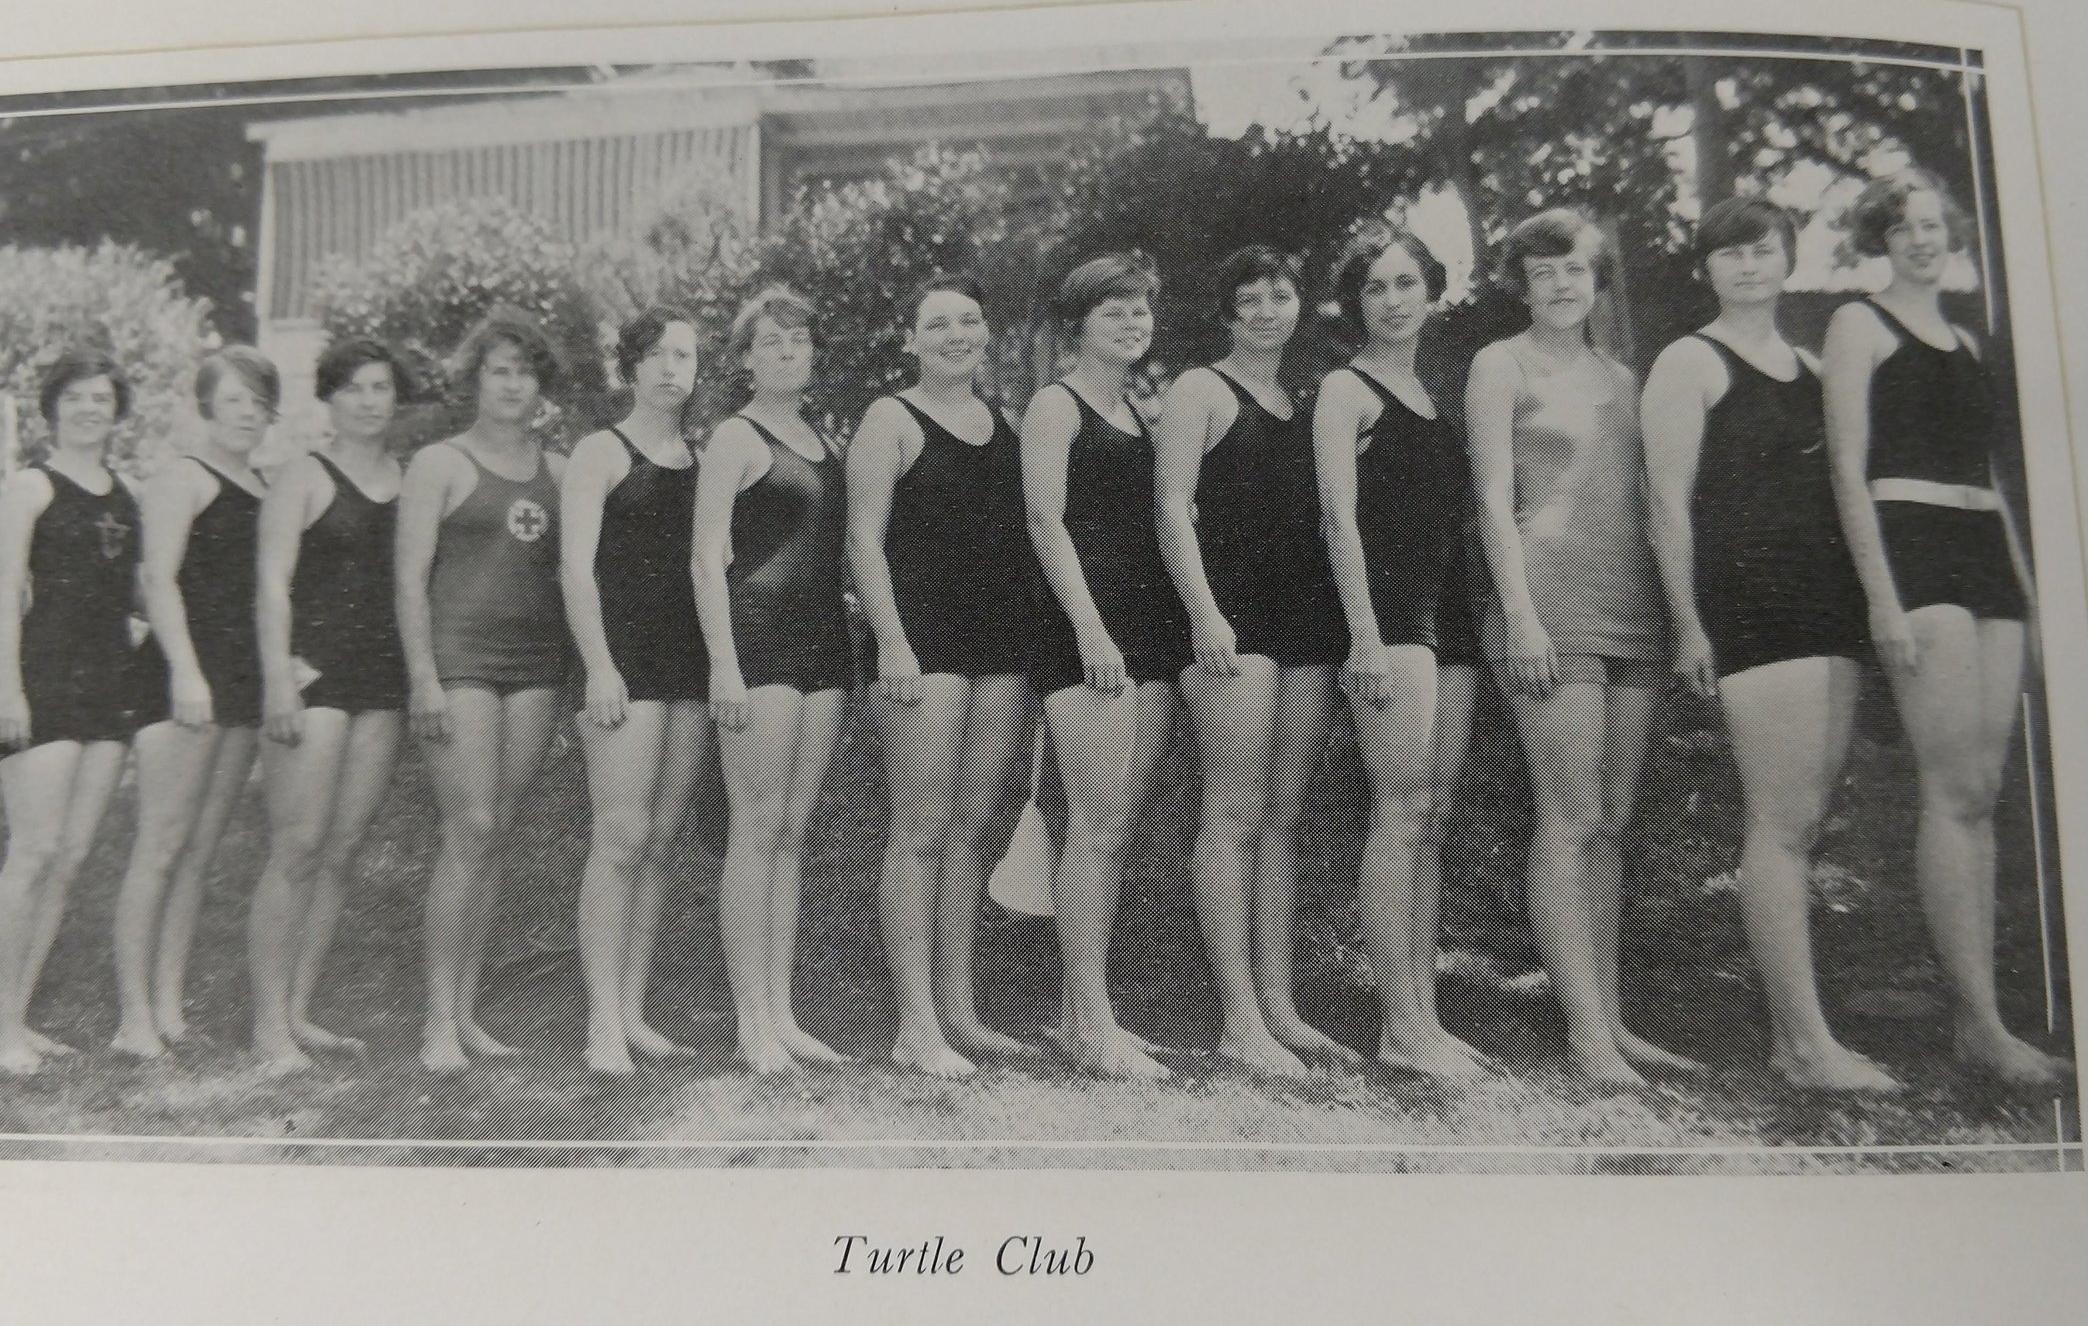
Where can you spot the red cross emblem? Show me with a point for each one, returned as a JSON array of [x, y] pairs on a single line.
[[527, 521]]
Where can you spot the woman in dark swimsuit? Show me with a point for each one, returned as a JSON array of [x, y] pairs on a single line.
[[1767, 611], [333, 688], [768, 539], [483, 630], [1112, 640], [942, 564], [68, 575], [1238, 522], [1392, 480], [200, 702], [1912, 428], [625, 514]]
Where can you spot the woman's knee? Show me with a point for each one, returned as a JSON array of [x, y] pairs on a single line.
[[33, 854], [922, 827], [622, 836], [1964, 795], [1234, 812], [471, 828], [297, 851], [1790, 830], [761, 824]]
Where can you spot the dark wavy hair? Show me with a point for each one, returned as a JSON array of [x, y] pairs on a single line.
[[1736, 221], [1243, 267], [1883, 205], [247, 364], [1552, 234], [1129, 275], [79, 364], [1352, 269], [957, 283], [504, 325], [342, 360], [641, 335]]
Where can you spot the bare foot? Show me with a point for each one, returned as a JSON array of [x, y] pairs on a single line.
[[1262, 1054], [315, 1037], [1428, 1056], [982, 1042], [173, 1028], [652, 1044], [1605, 1067], [764, 1057], [609, 1056], [1115, 1055], [2012, 1060], [20, 1059], [1311, 1042], [1064, 1042], [1442, 1036], [138, 1044], [476, 1040], [931, 1055], [1646, 1054], [806, 1048], [1834, 1068], [443, 1054], [49, 1048], [283, 1060]]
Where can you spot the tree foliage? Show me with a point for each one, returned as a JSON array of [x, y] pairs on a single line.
[[116, 298]]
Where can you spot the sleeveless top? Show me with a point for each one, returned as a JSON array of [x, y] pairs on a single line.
[[790, 530], [342, 617], [1932, 412], [1762, 472], [493, 592], [1257, 505], [642, 554], [217, 578], [1109, 516], [958, 537], [83, 568], [1410, 487], [1581, 509]]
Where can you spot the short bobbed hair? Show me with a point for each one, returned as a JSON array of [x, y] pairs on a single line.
[[504, 325], [779, 304], [1883, 205], [1352, 269], [956, 283], [81, 364], [1129, 275], [256, 370], [1552, 234], [342, 360], [641, 335], [1738, 221], [1243, 267]]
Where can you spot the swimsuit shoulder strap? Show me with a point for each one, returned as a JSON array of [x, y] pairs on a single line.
[[629, 449]]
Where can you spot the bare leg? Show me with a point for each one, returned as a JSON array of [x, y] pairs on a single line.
[[299, 783], [229, 770], [682, 765], [464, 773], [173, 770], [38, 787], [1235, 721], [528, 719], [1304, 716], [924, 745], [94, 781], [759, 762], [1457, 693], [818, 737], [1959, 708], [623, 773], [372, 757], [996, 732], [1790, 723]]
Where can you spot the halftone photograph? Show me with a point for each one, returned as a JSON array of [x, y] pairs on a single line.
[[1379, 601]]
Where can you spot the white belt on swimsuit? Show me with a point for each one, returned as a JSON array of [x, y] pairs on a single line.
[[1964, 496]]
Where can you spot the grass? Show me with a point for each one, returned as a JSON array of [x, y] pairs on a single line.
[[1690, 986]]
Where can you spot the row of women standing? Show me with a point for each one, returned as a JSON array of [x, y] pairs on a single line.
[[1246, 558]]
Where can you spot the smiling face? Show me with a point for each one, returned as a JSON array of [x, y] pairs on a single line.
[[778, 358], [508, 388], [362, 407], [1265, 314], [1919, 244], [1561, 290], [85, 414], [239, 417], [666, 377], [1118, 331], [1393, 298], [949, 335], [1749, 272]]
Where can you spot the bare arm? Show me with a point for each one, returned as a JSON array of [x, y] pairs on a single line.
[[734, 458], [435, 482], [598, 465], [1346, 409], [1686, 381], [886, 445], [22, 501], [1048, 429], [1531, 663], [1856, 344], [172, 500], [297, 497], [1196, 413]]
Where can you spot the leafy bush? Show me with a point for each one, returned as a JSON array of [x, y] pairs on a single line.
[[429, 278], [117, 298]]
